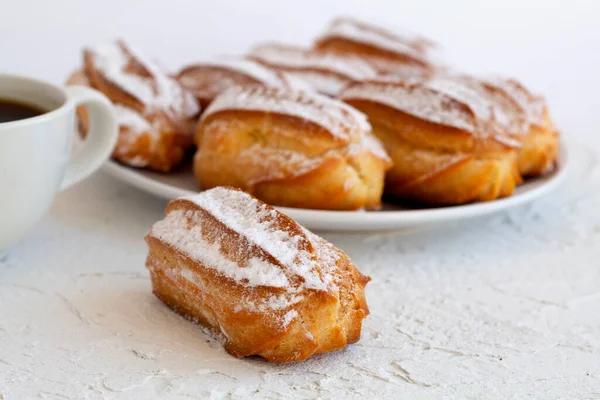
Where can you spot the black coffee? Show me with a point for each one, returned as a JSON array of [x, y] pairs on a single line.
[[12, 110]]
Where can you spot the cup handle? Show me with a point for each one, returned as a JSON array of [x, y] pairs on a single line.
[[101, 138]]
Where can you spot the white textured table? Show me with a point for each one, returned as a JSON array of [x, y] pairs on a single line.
[[506, 306]]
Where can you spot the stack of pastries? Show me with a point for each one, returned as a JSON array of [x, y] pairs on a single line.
[[361, 113]]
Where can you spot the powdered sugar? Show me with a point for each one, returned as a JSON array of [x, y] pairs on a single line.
[[137, 161], [353, 30], [533, 106], [275, 303], [242, 66], [338, 118], [289, 317], [279, 163], [186, 274], [509, 115], [131, 119], [295, 58], [254, 304], [257, 222], [295, 82], [177, 231], [450, 101], [370, 143], [395, 71], [156, 92], [208, 78], [137, 126], [325, 83], [327, 255], [460, 92], [417, 100]]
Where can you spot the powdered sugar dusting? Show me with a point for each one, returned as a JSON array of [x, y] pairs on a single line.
[[353, 30], [370, 143], [158, 92], [463, 94], [248, 303], [534, 106], [327, 254], [131, 119], [338, 118], [279, 163], [325, 83], [509, 115], [177, 231], [415, 99], [257, 222], [242, 66], [208, 78], [294, 81], [281, 56], [395, 71], [450, 101], [136, 126], [279, 302], [253, 304], [483, 107], [289, 317]]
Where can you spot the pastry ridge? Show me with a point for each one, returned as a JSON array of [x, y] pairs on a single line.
[[266, 285]]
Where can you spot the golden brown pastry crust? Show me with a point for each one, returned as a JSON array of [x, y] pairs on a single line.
[[442, 139], [290, 148], [525, 118], [540, 142], [324, 72], [388, 52], [539, 148], [207, 79], [156, 115], [265, 284]]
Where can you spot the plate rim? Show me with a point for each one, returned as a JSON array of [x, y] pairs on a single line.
[[325, 219]]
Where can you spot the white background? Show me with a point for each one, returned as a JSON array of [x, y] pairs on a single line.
[[552, 45]]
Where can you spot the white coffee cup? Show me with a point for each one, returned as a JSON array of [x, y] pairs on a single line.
[[35, 153]]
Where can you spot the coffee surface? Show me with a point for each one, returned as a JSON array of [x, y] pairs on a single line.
[[12, 110]]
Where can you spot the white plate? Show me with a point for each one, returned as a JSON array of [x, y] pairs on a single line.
[[172, 186]]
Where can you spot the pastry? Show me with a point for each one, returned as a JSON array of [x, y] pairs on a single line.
[[442, 137], [537, 133], [388, 52], [290, 148], [156, 115], [264, 284], [326, 73], [207, 79]]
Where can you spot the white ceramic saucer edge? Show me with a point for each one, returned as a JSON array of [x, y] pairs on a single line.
[[368, 221]]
